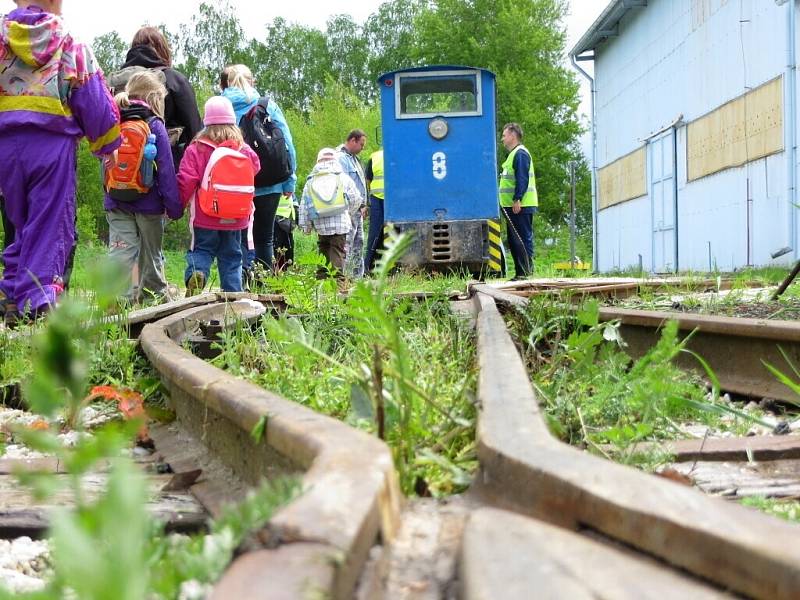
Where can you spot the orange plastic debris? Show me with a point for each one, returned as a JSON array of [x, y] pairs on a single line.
[[39, 425], [130, 403]]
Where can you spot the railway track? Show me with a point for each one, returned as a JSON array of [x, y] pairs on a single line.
[[735, 348], [541, 519]]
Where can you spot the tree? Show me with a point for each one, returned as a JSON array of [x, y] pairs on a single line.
[[214, 38], [523, 43], [292, 64], [331, 115], [390, 37], [109, 50], [347, 48]]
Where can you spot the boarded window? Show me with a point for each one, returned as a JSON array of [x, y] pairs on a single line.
[[624, 179], [745, 129]]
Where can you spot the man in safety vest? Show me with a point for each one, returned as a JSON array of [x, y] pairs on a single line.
[[375, 189], [284, 240], [518, 199]]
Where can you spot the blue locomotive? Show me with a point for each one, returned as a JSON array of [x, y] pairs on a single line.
[[440, 152]]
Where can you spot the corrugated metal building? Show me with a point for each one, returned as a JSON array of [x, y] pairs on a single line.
[[694, 133]]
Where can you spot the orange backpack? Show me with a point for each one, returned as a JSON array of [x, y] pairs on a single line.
[[128, 179], [226, 191]]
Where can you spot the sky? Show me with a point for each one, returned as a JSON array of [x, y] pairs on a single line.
[[90, 18]]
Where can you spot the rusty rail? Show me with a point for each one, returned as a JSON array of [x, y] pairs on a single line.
[[350, 491], [548, 517], [524, 469], [735, 348]]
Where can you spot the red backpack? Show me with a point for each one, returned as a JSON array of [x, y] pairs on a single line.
[[226, 191]]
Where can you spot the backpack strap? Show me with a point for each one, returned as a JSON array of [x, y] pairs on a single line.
[[263, 102]]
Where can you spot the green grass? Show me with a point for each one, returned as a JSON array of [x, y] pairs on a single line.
[[89, 254], [595, 395], [391, 365], [784, 508], [440, 350]]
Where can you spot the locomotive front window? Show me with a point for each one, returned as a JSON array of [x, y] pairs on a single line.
[[455, 94]]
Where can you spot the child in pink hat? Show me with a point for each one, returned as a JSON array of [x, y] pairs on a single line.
[[219, 111], [213, 237]]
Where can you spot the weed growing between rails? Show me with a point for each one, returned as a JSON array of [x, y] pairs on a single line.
[[398, 367], [785, 508], [15, 359], [594, 395], [112, 549]]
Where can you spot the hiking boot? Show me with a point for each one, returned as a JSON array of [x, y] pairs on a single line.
[[11, 316], [195, 284], [172, 293], [248, 279]]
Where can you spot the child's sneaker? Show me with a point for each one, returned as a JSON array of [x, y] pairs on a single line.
[[195, 283], [11, 316], [248, 279]]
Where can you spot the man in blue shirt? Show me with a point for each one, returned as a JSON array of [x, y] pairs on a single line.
[[347, 155]]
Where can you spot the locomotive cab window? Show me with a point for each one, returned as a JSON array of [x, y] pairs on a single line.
[[428, 94]]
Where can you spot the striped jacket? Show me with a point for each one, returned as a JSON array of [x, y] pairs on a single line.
[[50, 81]]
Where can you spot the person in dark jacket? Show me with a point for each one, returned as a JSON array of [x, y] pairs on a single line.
[[151, 50]]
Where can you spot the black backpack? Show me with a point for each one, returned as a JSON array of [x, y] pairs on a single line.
[[267, 141]]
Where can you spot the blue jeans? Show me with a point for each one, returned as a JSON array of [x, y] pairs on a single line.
[[226, 247], [520, 238], [375, 236], [263, 232]]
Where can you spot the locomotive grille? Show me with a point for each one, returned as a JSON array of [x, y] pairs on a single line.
[[440, 243]]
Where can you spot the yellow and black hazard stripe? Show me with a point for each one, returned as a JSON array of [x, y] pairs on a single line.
[[388, 230], [496, 258]]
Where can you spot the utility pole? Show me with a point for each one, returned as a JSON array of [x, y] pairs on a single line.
[[572, 215]]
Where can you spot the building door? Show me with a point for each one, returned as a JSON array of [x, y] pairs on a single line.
[[661, 167]]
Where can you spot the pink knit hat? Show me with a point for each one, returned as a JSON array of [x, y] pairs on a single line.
[[219, 111]]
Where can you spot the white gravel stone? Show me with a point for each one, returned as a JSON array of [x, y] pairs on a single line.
[[24, 564], [250, 302], [10, 417], [20, 451], [94, 416], [19, 583], [138, 452], [194, 590], [71, 438]]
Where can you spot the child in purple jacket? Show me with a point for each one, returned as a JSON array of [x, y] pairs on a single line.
[[136, 227], [52, 93]]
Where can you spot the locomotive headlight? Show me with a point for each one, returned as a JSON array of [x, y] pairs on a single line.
[[438, 128]]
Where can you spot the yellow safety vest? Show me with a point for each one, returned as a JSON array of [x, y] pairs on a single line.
[[285, 207], [335, 204], [376, 187], [508, 182]]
